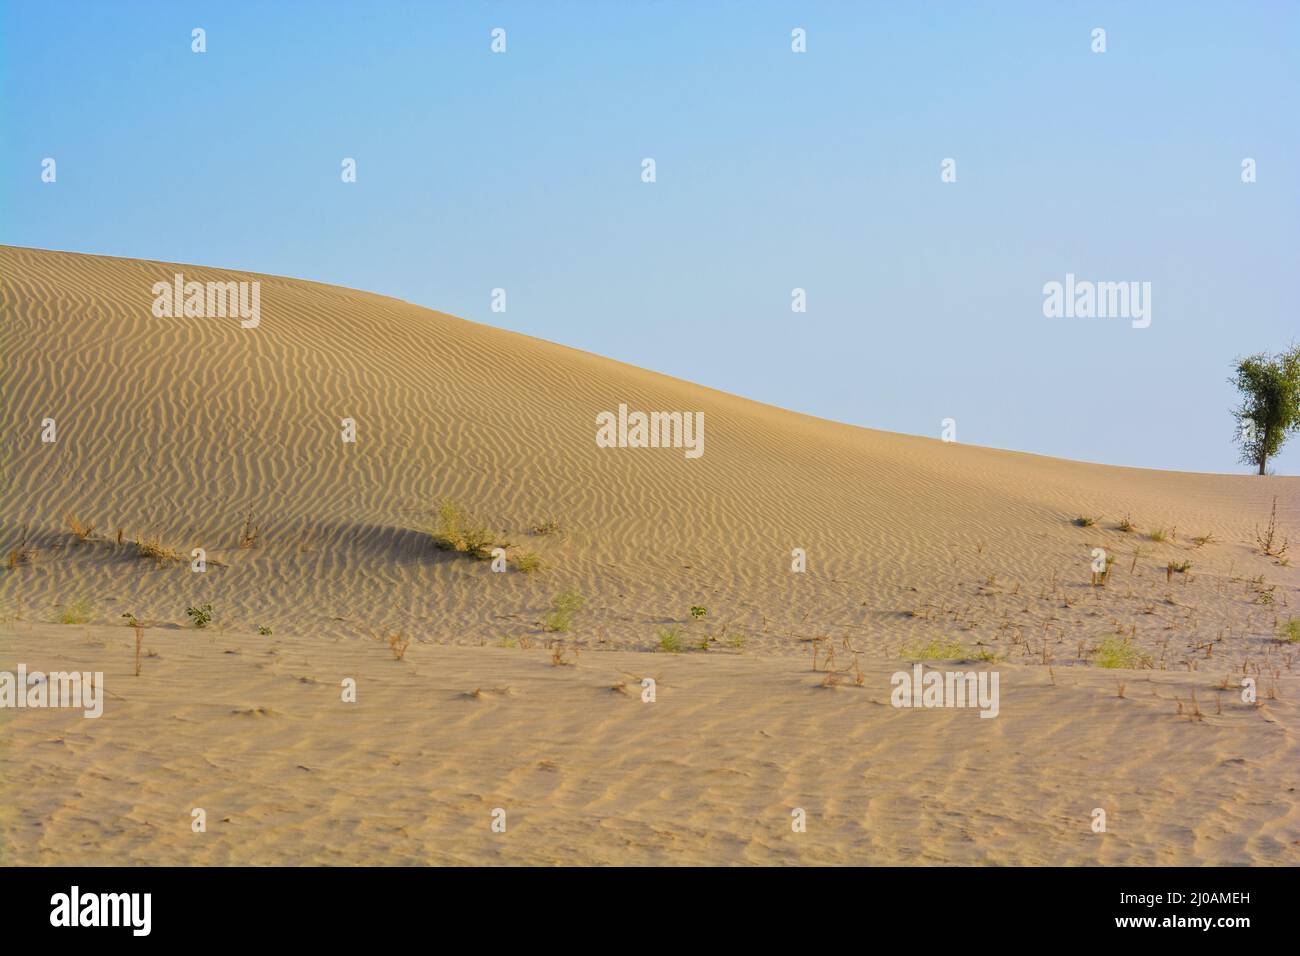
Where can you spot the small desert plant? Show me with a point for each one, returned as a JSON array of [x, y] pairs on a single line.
[[1116, 652], [76, 612], [1180, 567], [933, 650], [264, 631], [200, 615], [478, 543], [1158, 535], [670, 640], [563, 607], [1201, 540], [1083, 521], [457, 530], [528, 562], [1126, 524], [548, 527], [1291, 630], [736, 641], [557, 655], [698, 612], [987, 656]]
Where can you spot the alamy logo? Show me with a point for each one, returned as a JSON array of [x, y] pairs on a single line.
[[134, 910], [208, 300], [73, 689], [651, 430], [946, 689], [1100, 300]]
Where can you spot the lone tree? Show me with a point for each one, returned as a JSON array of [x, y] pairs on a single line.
[[1270, 403]]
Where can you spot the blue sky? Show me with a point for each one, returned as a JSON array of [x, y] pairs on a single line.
[[775, 170]]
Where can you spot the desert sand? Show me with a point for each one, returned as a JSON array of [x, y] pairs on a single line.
[[177, 433]]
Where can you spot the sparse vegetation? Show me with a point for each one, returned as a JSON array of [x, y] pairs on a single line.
[[528, 562], [1180, 567], [76, 612], [698, 612], [397, 643], [200, 616], [670, 640], [1083, 521], [1117, 652], [133, 622], [153, 549], [1267, 539], [548, 527], [20, 553], [249, 533], [1099, 578], [1159, 535], [78, 527], [264, 631], [458, 530], [1126, 524], [1290, 630], [935, 649], [563, 608]]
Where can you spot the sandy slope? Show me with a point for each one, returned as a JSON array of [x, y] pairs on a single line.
[[174, 427]]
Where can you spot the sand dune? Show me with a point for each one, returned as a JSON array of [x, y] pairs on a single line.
[[172, 429]]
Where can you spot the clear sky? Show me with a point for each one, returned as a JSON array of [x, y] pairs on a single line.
[[775, 170]]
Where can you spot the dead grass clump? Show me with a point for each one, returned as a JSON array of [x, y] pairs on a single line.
[[249, 533], [557, 656], [1267, 539], [397, 643], [78, 527], [20, 553], [153, 549]]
